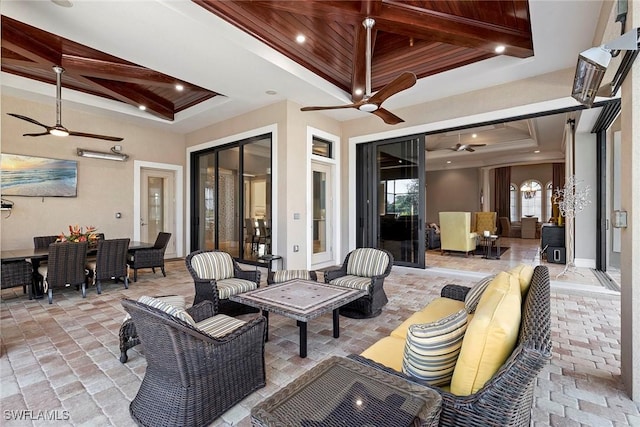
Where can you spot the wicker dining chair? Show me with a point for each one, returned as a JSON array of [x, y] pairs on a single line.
[[150, 258], [66, 266], [17, 273], [110, 262], [192, 376], [43, 242]]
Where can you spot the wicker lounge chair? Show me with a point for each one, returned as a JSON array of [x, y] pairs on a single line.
[[363, 268], [506, 399], [217, 276], [192, 377]]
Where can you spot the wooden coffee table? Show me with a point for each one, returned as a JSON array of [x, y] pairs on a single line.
[[342, 392], [302, 300]]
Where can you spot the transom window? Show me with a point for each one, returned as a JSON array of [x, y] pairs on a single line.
[[321, 147]]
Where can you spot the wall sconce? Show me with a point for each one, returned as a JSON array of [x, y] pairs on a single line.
[[619, 219], [115, 154]]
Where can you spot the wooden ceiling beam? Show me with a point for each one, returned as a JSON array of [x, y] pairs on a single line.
[[124, 92], [109, 70], [18, 40], [404, 19]]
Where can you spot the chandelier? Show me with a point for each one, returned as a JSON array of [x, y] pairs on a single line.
[[529, 190]]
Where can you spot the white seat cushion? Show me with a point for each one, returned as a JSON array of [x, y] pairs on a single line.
[[228, 287], [352, 282]]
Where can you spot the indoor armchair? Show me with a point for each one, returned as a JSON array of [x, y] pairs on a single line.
[[486, 221], [456, 234], [363, 268]]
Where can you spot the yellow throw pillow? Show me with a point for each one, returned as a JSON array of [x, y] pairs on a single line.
[[490, 337], [524, 273]]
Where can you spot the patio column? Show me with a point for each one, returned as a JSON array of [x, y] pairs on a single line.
[[630, 271]]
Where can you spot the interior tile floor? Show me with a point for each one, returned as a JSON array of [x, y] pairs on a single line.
[[61, 360]]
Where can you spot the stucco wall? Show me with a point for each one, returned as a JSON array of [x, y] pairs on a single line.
[[104, 187]]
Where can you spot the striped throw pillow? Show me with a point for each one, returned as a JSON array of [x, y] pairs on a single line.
[[284, 275], [367, 262], [431, 350], [213, 265], [167, 308], [473, 296]]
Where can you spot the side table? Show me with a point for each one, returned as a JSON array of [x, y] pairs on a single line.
[[342, 392], [269, 259], [490, 243]]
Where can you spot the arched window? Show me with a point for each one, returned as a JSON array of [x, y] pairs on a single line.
[[513, 205], [531, 198], [549, 201]]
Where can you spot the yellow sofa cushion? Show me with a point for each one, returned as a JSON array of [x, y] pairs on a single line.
[[437, 309], [524, 273], [491, 335], [389, 351]]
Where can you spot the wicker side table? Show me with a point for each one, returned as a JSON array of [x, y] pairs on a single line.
[[342, 392]]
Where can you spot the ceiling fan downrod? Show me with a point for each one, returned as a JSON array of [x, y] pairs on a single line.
[[58, 129], [368, 23]]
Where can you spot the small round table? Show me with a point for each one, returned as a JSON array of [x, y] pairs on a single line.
[[489, 243]]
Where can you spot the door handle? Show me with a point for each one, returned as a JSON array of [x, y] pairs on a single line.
[[142, 223]]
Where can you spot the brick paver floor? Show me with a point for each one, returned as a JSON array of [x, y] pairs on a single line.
[[61, 360]]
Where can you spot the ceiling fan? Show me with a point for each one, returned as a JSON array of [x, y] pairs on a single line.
[[467, 147], [372, 103], [58, 129]]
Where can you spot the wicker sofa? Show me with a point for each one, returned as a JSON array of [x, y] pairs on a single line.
[[507, 397]]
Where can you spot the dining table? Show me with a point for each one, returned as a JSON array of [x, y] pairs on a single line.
[[36, 256]]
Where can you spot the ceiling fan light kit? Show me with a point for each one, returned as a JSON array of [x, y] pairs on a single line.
[[59, 129]]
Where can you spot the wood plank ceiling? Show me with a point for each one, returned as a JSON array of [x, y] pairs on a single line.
[[424, 37], [30, 52]]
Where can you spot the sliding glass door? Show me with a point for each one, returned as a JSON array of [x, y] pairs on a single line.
[[231, 198], [390, 198]]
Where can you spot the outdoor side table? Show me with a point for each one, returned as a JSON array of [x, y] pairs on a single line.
[[342, 392]]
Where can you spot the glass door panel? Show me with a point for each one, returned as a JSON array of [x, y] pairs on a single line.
[[228, 203], [256, 175], [322, 206]]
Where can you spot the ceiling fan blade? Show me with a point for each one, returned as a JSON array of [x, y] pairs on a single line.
[[331, 107], [96, 136], [28, 119], [458, 147], [477, 145], [400, 83], [35, 134], [469, 149], [388, 117]]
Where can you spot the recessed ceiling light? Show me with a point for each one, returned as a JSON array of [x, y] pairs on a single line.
[[537, 151], [500, 48], [448, 161], [358, 91], [300, 38], [179, 87], [142, 107], [271, 92], [474, 135], [63, 3]]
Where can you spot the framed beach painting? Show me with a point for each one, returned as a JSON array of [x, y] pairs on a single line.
[[38, 176]]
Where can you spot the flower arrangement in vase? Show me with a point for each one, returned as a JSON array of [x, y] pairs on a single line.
[[78, 234]]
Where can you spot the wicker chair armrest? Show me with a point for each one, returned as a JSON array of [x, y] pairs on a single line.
[[253, 275], [456, 292], [206, 290], [203, 310], [334, 273]]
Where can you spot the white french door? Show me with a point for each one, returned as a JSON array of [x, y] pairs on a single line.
[[157, 207], [322, 219]]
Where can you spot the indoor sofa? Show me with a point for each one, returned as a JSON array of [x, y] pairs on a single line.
[[475, 396]]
